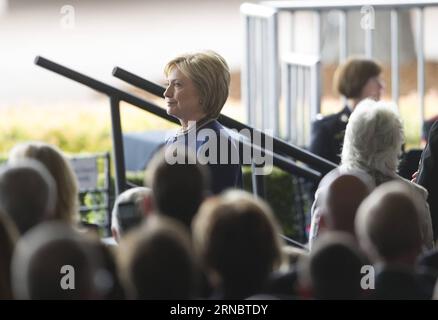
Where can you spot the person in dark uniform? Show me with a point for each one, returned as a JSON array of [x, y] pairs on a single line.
[[427, 126], [357, 79]]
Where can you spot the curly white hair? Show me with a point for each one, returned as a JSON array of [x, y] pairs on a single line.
[[373, 138]]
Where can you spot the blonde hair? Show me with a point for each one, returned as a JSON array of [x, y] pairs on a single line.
[[210, 75], [59, 167]]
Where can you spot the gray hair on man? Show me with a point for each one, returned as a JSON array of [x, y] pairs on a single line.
[[27, 193], [130, 207]]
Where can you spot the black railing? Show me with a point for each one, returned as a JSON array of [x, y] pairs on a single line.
[[281, 153], [280, 146], [117, 95]]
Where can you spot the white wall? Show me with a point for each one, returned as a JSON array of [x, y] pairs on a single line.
[[140, 36]]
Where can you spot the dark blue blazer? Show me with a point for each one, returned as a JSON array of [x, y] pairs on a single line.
[[327, 135], [227, 174]]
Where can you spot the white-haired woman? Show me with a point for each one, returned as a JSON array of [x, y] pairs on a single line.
[[372, 145]]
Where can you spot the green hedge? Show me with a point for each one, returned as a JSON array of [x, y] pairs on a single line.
[[279, 193]]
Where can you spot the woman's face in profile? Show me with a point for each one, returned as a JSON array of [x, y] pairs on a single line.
[[182, 97], [373, 88]]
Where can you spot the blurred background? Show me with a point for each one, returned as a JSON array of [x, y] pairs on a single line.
[[94, 36]]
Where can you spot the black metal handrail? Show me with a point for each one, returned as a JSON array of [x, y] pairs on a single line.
[[103, 88], [280, 146], [117, 95]]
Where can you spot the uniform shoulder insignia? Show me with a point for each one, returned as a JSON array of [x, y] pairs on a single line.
[[344, 117]]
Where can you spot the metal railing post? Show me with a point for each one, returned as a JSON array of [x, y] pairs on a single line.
[[300, 105], [264, 80], [293, 96], [287, 100], [274, 73], [394, 56], [247, 93], [367, 21], [301, 95], [369, 43], [118, 153], [319, 85], [420, 63], [315, 95], [107, 187]]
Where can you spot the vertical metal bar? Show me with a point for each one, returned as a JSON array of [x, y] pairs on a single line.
[[247, 80], [394, 56], [289, 103], [107, 187], [306, 107], [259, 75], [318, 29], [318, 92], [119, 157], [315, 96], [274, 67], [268, 118], [420, 63], [290, 90], [287, 98], [254, 73], [320, 87], [369, 42], [343, 36], [293, 94], [368, 25], [292, 31], [300, 105]]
